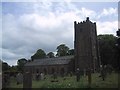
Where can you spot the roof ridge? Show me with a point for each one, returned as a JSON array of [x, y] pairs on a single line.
[[54, 57]]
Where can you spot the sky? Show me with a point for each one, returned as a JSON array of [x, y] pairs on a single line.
[[29, 26]]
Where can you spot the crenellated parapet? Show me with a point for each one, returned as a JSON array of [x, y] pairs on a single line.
[[85, 45]]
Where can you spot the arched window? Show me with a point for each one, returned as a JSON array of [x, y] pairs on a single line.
[[62, 71], [53, 70], [45, 71]]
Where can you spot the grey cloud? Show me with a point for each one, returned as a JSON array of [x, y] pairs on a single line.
[[22, 40], [24, 34]]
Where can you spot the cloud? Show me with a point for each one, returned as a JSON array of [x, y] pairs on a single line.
[[87, 12], [60, 0], [108, 12], [30, 32], [45, 27], [107, 27]]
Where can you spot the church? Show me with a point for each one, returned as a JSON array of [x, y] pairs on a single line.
[[86, 54]]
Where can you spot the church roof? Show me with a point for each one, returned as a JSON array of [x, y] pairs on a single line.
[[50, 61]]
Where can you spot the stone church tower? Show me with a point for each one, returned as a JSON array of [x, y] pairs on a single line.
[[86, 46]]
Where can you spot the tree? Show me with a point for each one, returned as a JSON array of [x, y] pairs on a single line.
[[71, 52], [5, 66], [107, 49], [118, 48], [20, 64], [62, 50], [39, 54], [14, 68], [50, 54]]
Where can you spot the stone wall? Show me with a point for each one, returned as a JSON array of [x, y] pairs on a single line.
[[85, 45], [48, 69]]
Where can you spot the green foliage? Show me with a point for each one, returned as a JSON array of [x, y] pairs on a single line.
[[14, 69], [111, 81], [71, 52], [5, 66], [50, 54], [62, 50], [108, 49], [39, 54], [118, 47], [13, 83], [107, 40], [21, 63]]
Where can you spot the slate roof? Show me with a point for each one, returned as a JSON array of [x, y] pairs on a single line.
[[50, 61]]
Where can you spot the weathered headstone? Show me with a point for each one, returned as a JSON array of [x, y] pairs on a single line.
[[41, 76], [33, 76], [27, 80], [55, 75], [37, 76], [78, 75], [19, 78], [89, 77], [103, 73], [5, 80], [71, 74], [109, 69], [84, 72]]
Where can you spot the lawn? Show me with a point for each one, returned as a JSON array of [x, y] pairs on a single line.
[[111, 81]]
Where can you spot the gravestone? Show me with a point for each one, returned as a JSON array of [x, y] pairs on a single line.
[[84, 72], [19, 78], [41, 76], [89, 77], [55, 75], [78, 74], [37, 76], [71, 74], [103, 73], [5, 80], [27, 80]]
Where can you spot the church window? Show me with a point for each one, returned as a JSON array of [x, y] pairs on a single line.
[[45, 71], [53, 70]]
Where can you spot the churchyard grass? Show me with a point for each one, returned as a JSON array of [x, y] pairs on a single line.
[[111, 81], [13, 83]]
